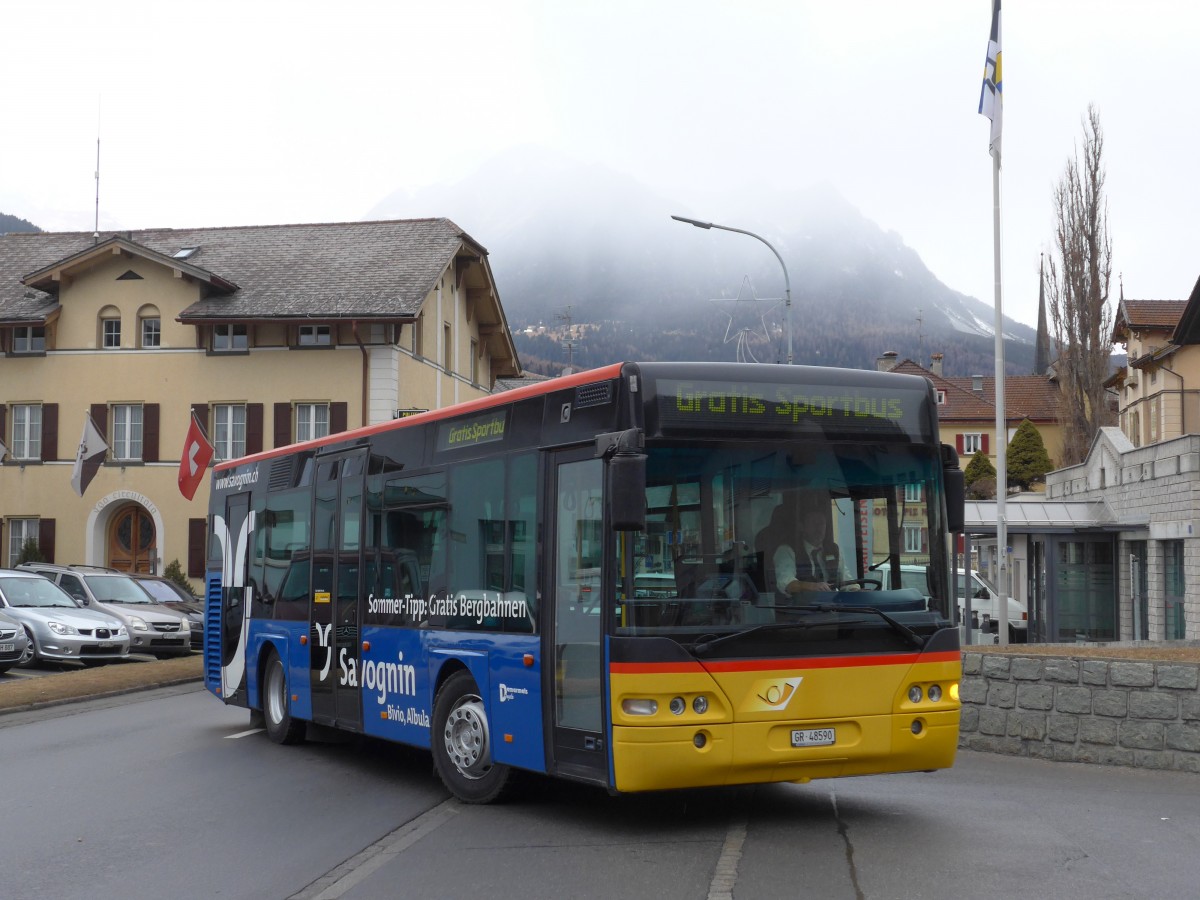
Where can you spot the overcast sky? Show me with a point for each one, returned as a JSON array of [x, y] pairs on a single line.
[[232, 113]]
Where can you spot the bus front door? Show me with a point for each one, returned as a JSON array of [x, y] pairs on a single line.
[[336, 576], [576, 563]]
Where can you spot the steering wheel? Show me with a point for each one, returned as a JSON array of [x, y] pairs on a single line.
[[867, 584]]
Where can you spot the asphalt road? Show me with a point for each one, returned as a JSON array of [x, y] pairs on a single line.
[[169, 793]]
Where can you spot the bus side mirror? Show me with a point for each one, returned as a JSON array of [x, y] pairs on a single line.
[[626, 488], [956, 490], [624, 478]]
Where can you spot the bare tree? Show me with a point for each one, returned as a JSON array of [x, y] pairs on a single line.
[[1077, 283]]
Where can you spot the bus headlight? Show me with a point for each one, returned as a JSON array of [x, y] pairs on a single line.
[[678, 706], [914, 694], [935, 693], [639, 707], [700, 705]]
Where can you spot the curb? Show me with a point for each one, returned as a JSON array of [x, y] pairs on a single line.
[[45, 690], [101, 695]]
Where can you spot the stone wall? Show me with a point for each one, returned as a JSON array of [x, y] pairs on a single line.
[[1108, 711]]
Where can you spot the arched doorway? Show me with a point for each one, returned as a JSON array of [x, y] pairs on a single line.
[[132, 544]]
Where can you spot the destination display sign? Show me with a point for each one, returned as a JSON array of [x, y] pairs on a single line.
[[472, 431], [692, 404]]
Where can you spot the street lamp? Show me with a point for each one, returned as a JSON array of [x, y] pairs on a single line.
[[787, 283]]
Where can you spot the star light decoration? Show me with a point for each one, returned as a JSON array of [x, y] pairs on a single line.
[[741, 327]]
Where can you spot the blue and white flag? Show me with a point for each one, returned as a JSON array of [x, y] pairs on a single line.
[[991, 95]]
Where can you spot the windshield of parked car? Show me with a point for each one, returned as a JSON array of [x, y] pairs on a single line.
[[34, 592], [117, 589], [159, 590]]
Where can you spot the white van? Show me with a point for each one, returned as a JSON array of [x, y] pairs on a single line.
[[984, 597], [982, 593]]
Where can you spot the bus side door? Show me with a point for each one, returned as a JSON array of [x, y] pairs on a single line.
[[574, 568], [336, 576]]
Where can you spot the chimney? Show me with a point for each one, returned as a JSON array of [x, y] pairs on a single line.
[[935, 364], [887, 362], [977, 383]]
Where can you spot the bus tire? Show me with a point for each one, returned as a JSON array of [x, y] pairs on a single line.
[[461, 743], [281, 727]]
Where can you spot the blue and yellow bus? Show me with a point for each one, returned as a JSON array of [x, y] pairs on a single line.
[[579, 578]]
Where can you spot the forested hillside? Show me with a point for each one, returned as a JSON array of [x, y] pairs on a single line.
[[12, 223]]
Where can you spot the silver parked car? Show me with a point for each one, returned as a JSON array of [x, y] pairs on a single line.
[[56, 627], [152, 627], [14, 643]]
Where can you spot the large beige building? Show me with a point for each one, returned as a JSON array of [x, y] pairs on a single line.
[[967, 407], [269, 335], [1158, 386]]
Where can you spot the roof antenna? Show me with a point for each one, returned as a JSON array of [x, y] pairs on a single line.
[[96, 229]]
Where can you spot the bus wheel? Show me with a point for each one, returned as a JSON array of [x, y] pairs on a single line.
[[461, 743], [281, 727]]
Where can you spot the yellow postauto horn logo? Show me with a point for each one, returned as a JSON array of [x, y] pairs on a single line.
[[776, 694]]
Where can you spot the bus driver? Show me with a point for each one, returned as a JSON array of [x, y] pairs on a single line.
[[806, 557]]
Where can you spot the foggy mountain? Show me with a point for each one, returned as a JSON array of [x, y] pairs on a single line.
[[566, 238]]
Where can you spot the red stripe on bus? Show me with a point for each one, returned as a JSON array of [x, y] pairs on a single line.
[[605, 373], [768, 665]]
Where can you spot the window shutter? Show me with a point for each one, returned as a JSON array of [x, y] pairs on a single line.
[[46, 539], [983, 443], [49, 432], [283, 424], [200, 411], [150, 432], [195, 551], [337, 417], [958, 443], [254, 428], [924, 540], [4, 434], [100, 417]]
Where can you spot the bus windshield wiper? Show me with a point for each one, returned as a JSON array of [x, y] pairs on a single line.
[[899, 627], [701, 647]]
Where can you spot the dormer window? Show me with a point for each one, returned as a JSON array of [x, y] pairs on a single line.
[[314, 336], [29, 339], [230, 337]]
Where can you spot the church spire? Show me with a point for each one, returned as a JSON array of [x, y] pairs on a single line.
[[1041, 356]]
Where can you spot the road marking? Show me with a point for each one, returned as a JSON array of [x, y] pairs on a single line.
[[242, 734], [341, 879], [725, 876]]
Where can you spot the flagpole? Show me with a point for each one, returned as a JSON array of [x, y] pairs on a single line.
[[1001, 429]]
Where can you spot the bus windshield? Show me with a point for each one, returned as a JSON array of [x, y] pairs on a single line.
[[741, 537]]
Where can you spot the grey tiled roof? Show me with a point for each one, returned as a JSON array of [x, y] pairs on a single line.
[[349, 269], [525, 379]]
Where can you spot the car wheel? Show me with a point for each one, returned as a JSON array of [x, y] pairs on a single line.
[[30, 656], [461, 743], [281, 727]]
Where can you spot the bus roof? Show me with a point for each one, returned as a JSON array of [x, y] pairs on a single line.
[[492, 400]]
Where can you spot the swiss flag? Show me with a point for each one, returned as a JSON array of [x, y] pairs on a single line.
[[197, 454]]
